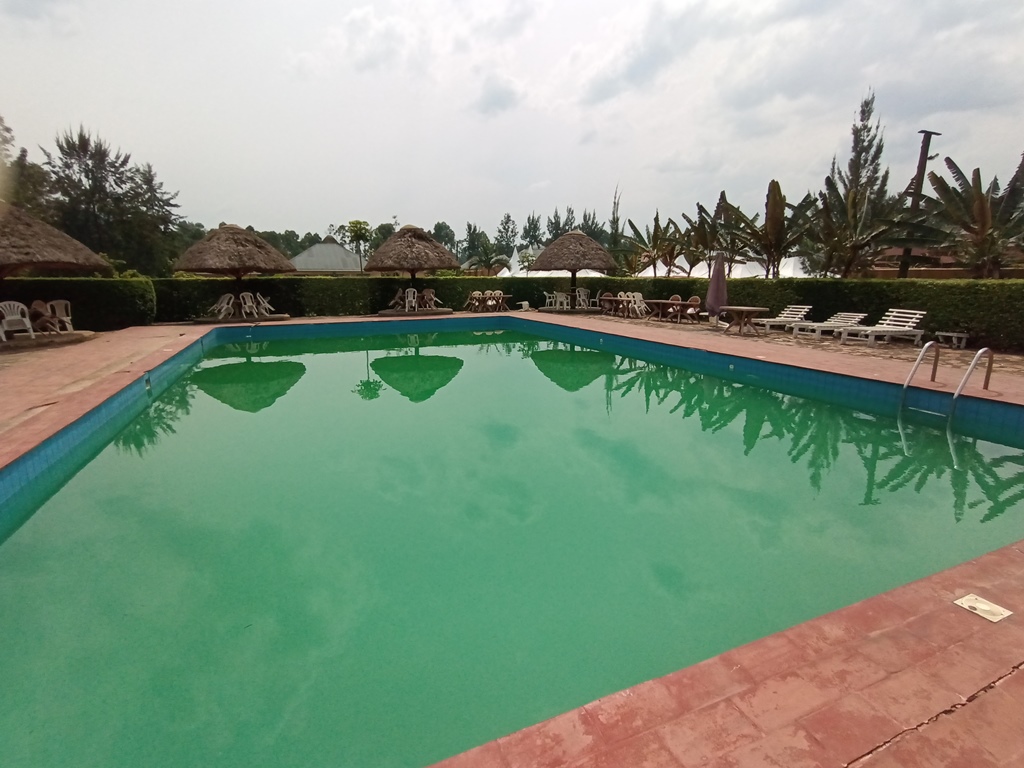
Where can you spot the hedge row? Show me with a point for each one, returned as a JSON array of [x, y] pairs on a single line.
[[991, 311], [97, 304]]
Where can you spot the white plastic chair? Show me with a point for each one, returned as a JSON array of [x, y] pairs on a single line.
[[61, 309], [224, 307], [550, 299], [263, 306], [15, 318], [411, 298], [248, 303]]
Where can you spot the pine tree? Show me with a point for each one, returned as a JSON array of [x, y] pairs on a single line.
[[505, 237]]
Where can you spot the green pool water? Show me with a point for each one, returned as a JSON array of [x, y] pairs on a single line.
[[366, 553]]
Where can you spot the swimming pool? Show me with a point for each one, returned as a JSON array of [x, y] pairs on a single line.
[[394, 548]]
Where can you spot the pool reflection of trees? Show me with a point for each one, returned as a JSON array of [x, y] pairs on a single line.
[[815, 432], [158, 420]]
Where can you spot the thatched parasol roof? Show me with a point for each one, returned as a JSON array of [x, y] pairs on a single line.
[[249, 386], [26, 242], [417, 377], [575, 251], [411, 249], [231, 250], [573, 369]]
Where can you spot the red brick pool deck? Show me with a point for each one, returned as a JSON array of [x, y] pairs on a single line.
[[905, 678]]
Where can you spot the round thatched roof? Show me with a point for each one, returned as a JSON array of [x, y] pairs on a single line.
[[411, 249], [231, 250], [417, 377], [575, 251], [249, 386], [26, 242], [573, 369]]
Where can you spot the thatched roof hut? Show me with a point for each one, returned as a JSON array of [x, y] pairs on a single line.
[[412, 250], [575, 251], [26, 242], [231, 250]]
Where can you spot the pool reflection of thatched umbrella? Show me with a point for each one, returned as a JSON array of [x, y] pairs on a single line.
[[411, 250], [231, 250], [249, 386], [417, 377], [27, 243], [574, 251], [573, 369]]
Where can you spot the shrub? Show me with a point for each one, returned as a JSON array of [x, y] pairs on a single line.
[[97, 304]]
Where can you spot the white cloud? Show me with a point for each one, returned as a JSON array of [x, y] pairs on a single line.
[[498, 94]]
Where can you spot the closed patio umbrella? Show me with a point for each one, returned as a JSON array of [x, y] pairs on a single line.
[[574, 251], [26, 242], [718, 294]]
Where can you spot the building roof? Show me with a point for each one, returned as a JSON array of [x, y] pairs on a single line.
[[327, 256]]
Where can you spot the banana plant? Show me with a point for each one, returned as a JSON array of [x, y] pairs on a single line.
[[657, 245], [782, 230], [846, 230]]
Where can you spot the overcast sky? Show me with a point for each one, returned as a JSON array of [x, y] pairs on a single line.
[[300, 114]]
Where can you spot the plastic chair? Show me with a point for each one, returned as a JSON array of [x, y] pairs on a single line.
[[248, 303], [61, 309], [474, 302], [224, 307], [15, 318], [411, 298], [263, 306]]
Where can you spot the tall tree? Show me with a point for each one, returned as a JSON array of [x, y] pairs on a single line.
[[615, 236], [591, 227], [111, 205], [555, 226], [358, 236], [445, 235], [476, 246], [532, 236], [505, 237], [31, 187], [382, 232], [783, 228], [6, 142], [851, 223], [569, 223]]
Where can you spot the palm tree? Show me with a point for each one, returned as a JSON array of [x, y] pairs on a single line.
[[654, 246], [978, 222], [783, 229], [848, 230]]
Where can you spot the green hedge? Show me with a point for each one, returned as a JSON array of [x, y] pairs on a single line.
[[991, 311], [97, 304]]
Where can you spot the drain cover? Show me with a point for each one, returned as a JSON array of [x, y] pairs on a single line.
[[983, 607]]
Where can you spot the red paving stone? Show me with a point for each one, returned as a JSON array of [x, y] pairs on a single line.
[[903, 679]]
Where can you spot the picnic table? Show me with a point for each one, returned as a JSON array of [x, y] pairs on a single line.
[[740, 317]]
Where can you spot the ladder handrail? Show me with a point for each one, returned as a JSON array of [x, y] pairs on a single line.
[[917, 364], [970, 369]]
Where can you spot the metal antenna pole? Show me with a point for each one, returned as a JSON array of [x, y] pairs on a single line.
[[915, 193]]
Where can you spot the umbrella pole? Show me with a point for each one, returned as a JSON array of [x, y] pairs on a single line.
[[572, 290]]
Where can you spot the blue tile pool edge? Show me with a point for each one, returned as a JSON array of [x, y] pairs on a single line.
[[33, 477]]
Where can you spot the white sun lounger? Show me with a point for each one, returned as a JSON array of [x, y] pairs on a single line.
[[895, 324], [838, 320], [791, 314]]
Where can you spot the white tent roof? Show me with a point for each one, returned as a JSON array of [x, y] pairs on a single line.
[[327, 256]]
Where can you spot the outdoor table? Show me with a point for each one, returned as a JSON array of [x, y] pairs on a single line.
[[618, 304], [660, 307], [741, 317]]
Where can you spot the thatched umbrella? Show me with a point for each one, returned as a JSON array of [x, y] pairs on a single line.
[[573, 369], [412, 250], [574, 251], [417, 377], [249, 386], [231, 250], [26, 242]]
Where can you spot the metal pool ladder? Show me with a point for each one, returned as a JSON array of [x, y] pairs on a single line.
[[956, 395]]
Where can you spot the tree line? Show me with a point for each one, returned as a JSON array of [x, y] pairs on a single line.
[[117, 207]]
